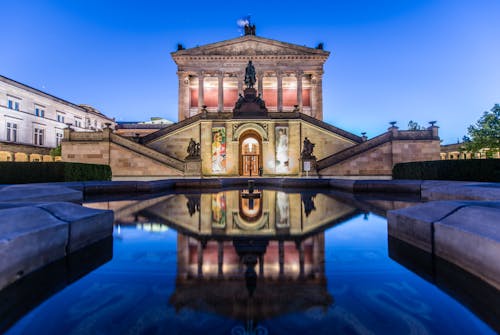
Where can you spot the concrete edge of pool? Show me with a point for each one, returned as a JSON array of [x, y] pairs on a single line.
[[461, 230]]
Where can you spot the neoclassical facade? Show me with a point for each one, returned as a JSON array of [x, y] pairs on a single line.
[[289, 77], [32, 122], [229, 125]]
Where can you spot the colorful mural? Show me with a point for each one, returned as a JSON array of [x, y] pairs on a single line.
[[218, 149], [219, 210], [282, 159]]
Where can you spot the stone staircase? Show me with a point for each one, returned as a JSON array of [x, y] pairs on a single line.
[[147, 152], [391, 135]]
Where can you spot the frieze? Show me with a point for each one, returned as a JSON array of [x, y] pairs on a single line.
[[263, 126]]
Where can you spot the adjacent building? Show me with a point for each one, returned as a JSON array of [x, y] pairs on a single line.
[[32, 121]]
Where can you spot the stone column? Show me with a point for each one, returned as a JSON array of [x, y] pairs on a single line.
[[317, 95], [281, 255], [200, 89], [220, 258], [200, 259], [299, 89], [240, 77], [183, 112], [280, 90], [220, 91], [260, 77]]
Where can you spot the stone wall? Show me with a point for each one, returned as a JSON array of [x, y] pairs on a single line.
[[380, 160], [175, 143]]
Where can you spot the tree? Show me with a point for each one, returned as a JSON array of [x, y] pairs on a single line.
[[413, 125], [485, 134], [55, 151]]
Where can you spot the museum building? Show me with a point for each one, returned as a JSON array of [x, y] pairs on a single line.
[[250, 106], [32, 121]]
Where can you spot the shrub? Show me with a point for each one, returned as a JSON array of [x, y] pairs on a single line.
[[44, 172], [465, 170]]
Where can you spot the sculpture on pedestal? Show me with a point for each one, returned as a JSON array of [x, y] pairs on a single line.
[[307, 149], [193, 149], [250, 75]]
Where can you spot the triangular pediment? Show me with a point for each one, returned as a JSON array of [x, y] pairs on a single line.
[[250, 46]]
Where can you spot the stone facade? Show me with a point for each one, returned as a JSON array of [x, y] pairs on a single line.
[[287, 75], [241, 135]]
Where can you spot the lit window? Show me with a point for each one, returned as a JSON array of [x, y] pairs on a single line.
[[59, 137], [38, 136], [11, 132]]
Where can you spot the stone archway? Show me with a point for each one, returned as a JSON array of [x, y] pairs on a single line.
[[250, 153]]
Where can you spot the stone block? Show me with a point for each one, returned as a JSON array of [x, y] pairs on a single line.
[[39, 192], [470, 238], [30, 238], [99, 187], [343, 184], [86, 225], [414, 224], [388, 186]]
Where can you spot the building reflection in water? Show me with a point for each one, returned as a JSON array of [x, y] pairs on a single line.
[[248, 256]]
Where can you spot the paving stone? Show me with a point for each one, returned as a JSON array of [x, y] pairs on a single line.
[[39, 192], [414, 224], [86, 225], [30, 238], [470, 238]]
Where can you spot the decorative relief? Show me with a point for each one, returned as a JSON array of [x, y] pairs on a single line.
[[238, 128]]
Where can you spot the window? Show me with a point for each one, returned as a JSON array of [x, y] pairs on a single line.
[[38, 136], [78, 123], [13, 104], [60, 118], [59, 137], [39, 112], [11, 132]]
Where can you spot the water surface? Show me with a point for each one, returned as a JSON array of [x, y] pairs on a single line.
[[234, 263]]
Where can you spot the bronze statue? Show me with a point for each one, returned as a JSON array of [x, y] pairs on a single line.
[[307, 149], [250, 29], [250, 75], [193, 149]]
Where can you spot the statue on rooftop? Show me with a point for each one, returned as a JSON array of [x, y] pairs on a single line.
[[249, 29], [250, 75]]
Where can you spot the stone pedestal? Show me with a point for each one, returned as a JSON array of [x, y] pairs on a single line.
[[192, 167], [308, 167]]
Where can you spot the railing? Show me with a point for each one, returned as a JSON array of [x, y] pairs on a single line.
[[396, 135], [148, 152]]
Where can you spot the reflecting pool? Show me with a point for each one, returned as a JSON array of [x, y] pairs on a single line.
[[243, 262]]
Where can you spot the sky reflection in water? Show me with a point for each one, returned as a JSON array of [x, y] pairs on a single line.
[[291, 266]]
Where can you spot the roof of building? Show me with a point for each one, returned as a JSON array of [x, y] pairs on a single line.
[[248, 46], [82, 107]]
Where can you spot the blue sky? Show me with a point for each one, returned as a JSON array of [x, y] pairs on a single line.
[[390, 60]]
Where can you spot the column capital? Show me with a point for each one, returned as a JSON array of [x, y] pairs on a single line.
[[299, 73], [220, 74]]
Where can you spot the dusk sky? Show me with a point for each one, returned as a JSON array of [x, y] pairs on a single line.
[[390, 60]]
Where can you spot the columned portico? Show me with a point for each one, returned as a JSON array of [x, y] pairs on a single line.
[[213, 75]]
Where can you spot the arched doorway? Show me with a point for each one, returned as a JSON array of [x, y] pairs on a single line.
[[250, 153]]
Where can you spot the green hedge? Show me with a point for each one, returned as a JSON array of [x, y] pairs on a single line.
[[44, 172], [467, 170]]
